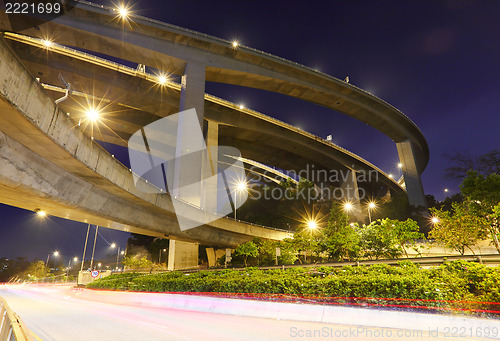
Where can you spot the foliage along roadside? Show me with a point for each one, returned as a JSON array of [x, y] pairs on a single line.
[[456, 281]]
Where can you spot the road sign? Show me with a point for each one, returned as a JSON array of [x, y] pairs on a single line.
[[94, 273]]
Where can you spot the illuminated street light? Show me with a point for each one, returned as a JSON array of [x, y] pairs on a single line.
[[75, 259], [371, 206], [123, 12], [47, 43], [40, 213], [391, 176], [348, 206], [55, 253], [240, 187], [435, 220], [93, 114], [235, 43], [241, 106], [99, 265], [400, 165], [159, 255], [446, 190], [118, 253], [162, 79], [312, 225]]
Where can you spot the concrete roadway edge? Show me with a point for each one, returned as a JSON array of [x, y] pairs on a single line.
[[362, 317]]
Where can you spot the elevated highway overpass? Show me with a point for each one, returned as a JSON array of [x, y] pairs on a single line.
[[47, 157]]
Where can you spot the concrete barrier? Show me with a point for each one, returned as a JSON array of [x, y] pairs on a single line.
[[11, 326]]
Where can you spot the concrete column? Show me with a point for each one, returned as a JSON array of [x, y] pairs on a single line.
[[411, 174], [209, 169], [351, 194], [187, 179], [193, 89], [211, 256], [182, 255]]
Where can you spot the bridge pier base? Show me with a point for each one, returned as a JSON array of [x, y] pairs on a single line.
[[411, 174], [182, 255]]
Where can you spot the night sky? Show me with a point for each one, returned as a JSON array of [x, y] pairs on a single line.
[[436, 61]]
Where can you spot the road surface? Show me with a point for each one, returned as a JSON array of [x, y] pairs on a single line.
[[58, 313]]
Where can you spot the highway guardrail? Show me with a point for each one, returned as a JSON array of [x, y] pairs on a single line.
[[11, 326]]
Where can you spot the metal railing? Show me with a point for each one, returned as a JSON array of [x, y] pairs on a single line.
[[11, 326]]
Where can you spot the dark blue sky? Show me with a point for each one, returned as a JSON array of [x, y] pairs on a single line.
[[437, 61]]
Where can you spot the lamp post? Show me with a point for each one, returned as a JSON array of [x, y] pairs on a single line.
[[348, 208], [371, 206], [240, 187], [55, 253], [93, 249], [74, 259], [85, 247], [118, 253], [159, 255]]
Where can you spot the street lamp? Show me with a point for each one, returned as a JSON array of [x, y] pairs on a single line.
[[47, 43], [400, 165], [159, 255], [240, 187], [371, 206], [93, 114], [75, 259], [118, 253], [162, 79], [40, 212], [55, 253], [312, 224], [435, 220]]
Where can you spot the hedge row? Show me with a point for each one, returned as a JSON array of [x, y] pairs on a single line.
[[458, 280]]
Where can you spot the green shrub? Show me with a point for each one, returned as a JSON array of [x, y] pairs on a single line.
[[458, 280]]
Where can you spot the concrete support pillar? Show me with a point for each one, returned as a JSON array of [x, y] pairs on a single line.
[[411, 174], [351, 195], [209, 169], [182, 255], [187, 179], [211, 256], [193, 89]]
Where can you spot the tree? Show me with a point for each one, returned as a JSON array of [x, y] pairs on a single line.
[[266, 251], [340, 239], [460, 228], [247, 249], [482, 195], [463, 163], [288, 251], [396, 208], [378, 239], [134, 262], [156, 249], [307, 241], [36, 270], [404, 232]]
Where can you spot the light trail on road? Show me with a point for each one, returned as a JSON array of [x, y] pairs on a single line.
[[59, 313]]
